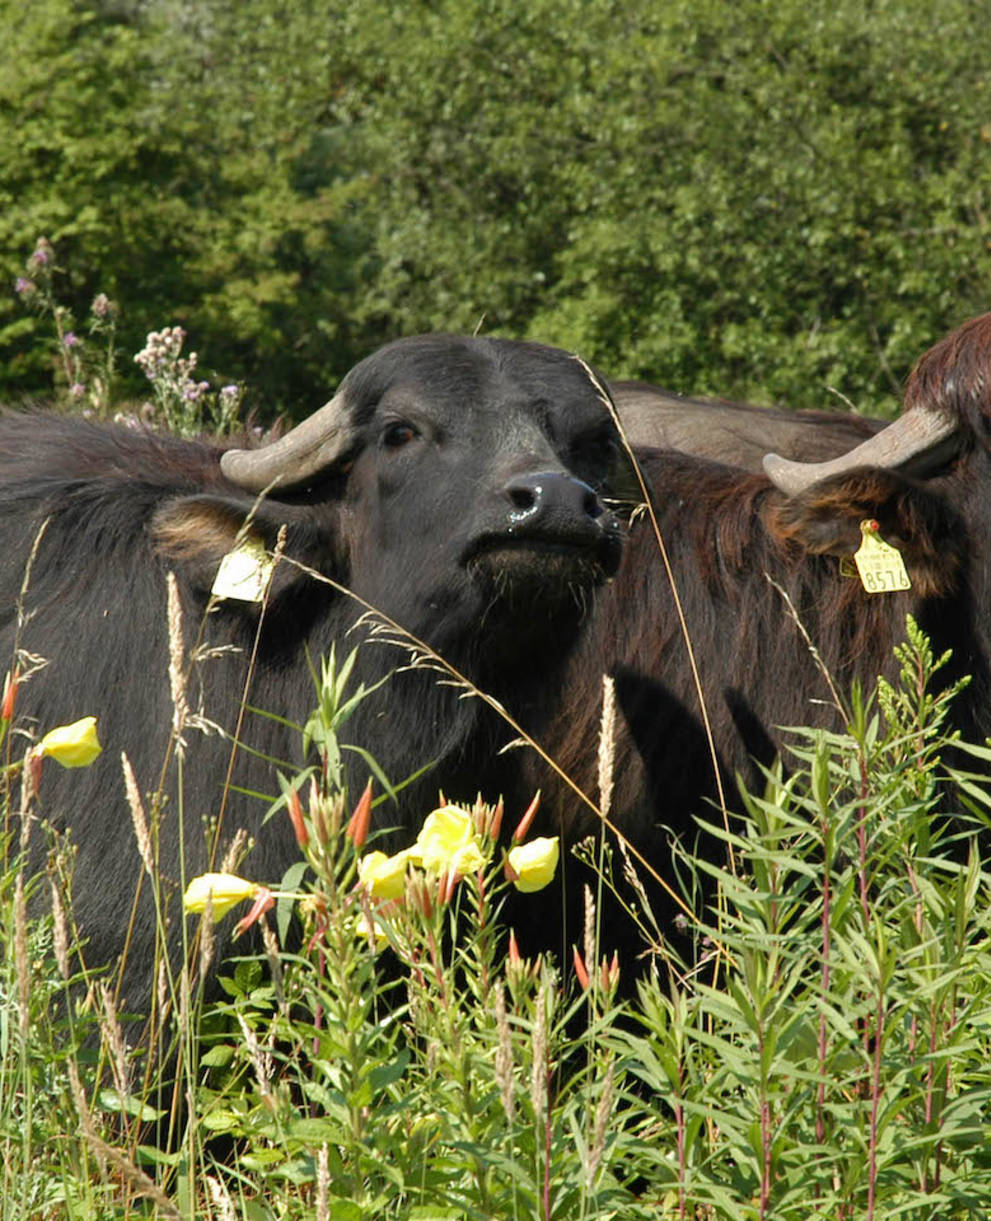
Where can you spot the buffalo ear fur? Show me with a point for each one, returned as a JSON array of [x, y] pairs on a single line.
[[194, 533], [825, 520]]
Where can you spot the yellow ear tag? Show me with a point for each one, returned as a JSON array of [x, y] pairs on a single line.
[[880, 566], [244, 573]]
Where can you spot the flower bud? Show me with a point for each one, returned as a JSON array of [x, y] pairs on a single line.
[[580, 969], [10, 685], [361, 820], [294, 808], [527, 820]]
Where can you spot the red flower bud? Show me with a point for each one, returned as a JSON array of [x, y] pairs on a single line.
[[10, 685], [295, 809], [514, 950], [609, 973], [448, 884], [527, 820], [495, 822], [580, 970], [361, 819]]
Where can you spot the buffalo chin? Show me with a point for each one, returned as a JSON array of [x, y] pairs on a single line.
[[540, 583]]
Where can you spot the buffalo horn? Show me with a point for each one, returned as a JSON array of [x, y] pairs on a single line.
[[295, 458], [917, 432]]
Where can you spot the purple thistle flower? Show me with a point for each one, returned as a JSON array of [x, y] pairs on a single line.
[[42, 255], [101, 305], [24, 286], [70, 339], [77, 390]]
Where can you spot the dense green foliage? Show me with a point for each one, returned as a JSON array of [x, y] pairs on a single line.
[[758, 200]]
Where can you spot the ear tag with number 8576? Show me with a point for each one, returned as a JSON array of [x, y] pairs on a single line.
[[879, 565]]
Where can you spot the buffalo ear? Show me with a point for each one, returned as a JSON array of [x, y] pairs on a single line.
[[194, 533], [825, 520]]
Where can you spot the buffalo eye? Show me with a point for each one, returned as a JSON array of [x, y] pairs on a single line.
[[398, 433]]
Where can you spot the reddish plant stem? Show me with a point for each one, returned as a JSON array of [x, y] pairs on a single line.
[[821, 1050], [862, 842], [875, 1103], [679, 1119], [547, 1150]]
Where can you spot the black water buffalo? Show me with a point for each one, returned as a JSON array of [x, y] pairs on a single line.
[[456, 484], [925, 478], [738, 434]]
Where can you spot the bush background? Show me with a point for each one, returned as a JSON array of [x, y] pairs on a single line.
[[760, 200]]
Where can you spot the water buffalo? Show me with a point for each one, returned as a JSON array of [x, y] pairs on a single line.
[[738, 434], [456, 484], [924, 478]]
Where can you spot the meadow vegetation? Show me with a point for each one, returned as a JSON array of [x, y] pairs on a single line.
[[379, 1048]]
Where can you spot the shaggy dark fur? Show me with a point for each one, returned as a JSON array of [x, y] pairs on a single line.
[[728, 536], [467, 509]]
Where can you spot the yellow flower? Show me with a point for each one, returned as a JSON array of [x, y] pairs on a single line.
[[447, 843], [74, 745], [534, 863], [384, 876], [226, 890], [372, 932]]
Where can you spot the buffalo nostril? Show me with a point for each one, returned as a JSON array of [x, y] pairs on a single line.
[[524, 499], [591, 504]]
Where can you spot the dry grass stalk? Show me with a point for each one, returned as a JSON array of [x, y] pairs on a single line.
[[274, 956], [323, 1184], [220, 1198], [538, 1079], [504, 1054], [162, 987], [235, 852], [603, 1112], [261, 1061], [607, 744], [208, 942], [21, 958], [60, 930], [113, 1038], [589, 944], [177, 673], [138, 817], [135, 1178]]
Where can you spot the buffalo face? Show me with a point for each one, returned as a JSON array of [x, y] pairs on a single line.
[[464, 490]]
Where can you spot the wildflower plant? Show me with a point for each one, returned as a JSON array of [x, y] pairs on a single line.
[[185, 404], [85, 364]]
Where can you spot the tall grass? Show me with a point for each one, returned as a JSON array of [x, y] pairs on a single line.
[[827, 1054]]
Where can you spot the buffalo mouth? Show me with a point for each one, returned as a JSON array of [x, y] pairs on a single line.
[[545, 559]]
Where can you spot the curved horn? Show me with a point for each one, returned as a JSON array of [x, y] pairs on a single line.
[[919, 431], [295, 458]]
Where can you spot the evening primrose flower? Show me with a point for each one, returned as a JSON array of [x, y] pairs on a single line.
[[534, 863], [384, 876], [225, 890], [74, 745], [447, 843]]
